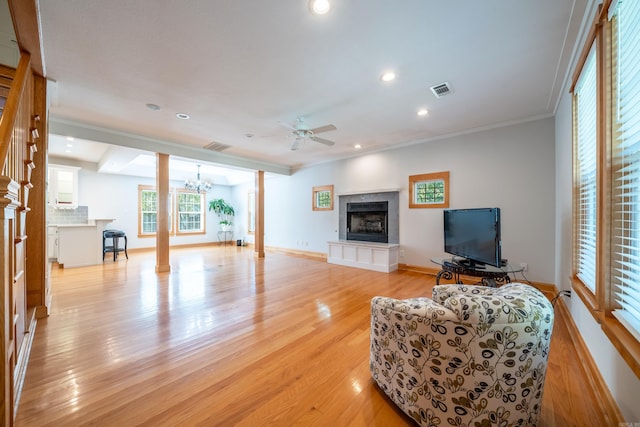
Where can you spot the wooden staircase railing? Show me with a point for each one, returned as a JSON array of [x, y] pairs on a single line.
[[20, 130], [10, 115]]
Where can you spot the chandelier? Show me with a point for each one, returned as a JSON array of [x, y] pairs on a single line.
[[197, 185]]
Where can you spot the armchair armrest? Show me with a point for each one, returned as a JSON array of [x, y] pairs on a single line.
[[410, 309], [509, 304], [443, 292]]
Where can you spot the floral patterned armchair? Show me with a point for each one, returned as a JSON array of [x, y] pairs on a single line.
[[471, 355]]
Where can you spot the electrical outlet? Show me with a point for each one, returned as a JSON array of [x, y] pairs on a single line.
[[524, 266]]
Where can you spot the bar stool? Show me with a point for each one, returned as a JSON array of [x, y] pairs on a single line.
[[115, 247]]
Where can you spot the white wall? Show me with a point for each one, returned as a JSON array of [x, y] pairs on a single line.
[[622, 382], [116, 196], [510, 167]]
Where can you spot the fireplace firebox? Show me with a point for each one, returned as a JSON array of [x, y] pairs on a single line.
[[368, 221]]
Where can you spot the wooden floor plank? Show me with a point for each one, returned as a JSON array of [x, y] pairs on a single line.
[[226, 338]]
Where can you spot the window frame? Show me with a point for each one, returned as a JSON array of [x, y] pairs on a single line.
[[251, 212], [588, 296], [416, 180], [601, 304], [141, 190], [203, 201], [173, 213], [322, 191]]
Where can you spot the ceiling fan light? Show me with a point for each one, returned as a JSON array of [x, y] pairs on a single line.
[[319, 7]]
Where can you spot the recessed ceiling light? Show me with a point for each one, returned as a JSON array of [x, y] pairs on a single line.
[[389, 76], [183, 116], [69, 145], [319, 7], [423, 112], [153, 107], [70, 138], [357, 146]]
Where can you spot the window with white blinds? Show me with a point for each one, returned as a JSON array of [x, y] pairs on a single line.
[[625, 206], [585, 163]]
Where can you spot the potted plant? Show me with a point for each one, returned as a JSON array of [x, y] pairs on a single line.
[[224, 211]]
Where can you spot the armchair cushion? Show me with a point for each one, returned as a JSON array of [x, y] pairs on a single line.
[[469, 355]]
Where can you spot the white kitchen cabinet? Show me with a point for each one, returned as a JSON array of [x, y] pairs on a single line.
[[52, 242], [63, 186]]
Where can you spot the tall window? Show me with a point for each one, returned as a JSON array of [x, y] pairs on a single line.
[[190, 212], [148, 211], [585, 162], [251, 212], [606, 112], [186, 215], [625, 188]]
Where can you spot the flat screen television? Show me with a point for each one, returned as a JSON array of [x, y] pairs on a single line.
[[474, 235]]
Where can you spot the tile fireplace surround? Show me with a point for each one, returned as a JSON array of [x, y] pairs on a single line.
[[381, 257], [391, 196]]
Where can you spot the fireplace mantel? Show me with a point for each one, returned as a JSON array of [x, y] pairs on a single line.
[[382, 190]]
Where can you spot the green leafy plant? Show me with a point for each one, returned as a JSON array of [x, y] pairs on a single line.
[[223, 209]]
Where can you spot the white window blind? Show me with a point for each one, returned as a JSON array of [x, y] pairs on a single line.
[[625, 263], [585, 167]]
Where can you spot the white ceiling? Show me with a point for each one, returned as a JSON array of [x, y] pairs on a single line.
[[119, 160], [250, 67]]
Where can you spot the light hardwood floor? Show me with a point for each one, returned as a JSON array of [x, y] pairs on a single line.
[[227, 339]]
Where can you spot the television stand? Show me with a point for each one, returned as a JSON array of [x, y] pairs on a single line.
[[464, 262], [489, 275]]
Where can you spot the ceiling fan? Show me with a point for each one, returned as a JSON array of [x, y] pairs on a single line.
[[301, 131]]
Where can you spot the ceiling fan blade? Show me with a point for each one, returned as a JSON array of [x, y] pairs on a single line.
[[322, 140], [296, 144], [286, 125], [325, 128]]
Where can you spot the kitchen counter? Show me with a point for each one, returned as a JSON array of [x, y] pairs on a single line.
[[89, 223], [81, 244]]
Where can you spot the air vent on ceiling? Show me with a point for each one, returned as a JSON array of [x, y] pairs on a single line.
[[441, 90], [216, 146]]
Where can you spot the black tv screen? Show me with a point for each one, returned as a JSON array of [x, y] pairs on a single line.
[[473, 234]]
